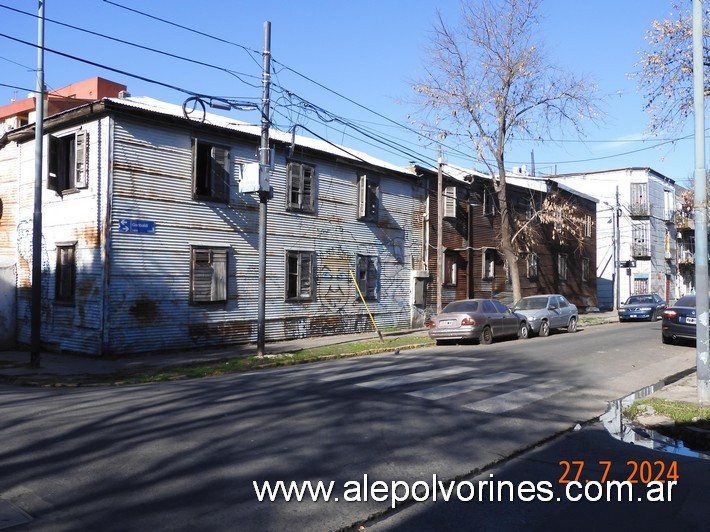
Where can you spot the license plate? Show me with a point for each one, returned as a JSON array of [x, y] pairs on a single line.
[[690, 321], [446, 323], [632, 316]]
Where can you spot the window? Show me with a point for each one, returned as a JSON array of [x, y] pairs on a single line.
[[450, 202], [65, 272], [562, 266], [489, 203], [587, 225], [209, 275], [210, 171], [368, 276], [641, 240], [367, 198], [301, 181], [489, 261], [450, 269], [532, 263], [299, 275], [585, 269], [67, 162], [639, 200]]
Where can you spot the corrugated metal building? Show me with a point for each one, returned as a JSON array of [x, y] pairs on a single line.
[[149, 244]]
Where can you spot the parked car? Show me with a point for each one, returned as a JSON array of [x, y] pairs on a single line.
[[642, 307], [679, 320], [477, 319], [546, 312]]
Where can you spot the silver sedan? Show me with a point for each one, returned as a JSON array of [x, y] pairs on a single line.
[[477, 319]]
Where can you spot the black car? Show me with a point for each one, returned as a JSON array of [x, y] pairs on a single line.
[[679, 320], [642, 307]]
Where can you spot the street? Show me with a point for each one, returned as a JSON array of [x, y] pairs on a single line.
[[186, 455]]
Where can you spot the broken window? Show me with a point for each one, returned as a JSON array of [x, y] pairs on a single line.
[[300, 275], [368, 198], [301, 181], [368, 275], [68, 161], [210, 171]]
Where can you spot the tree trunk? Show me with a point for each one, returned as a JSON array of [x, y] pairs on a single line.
[[506, 230]]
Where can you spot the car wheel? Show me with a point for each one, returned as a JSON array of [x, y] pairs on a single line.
[[545, 329], [572, 325], [486, 336], [524, 331]]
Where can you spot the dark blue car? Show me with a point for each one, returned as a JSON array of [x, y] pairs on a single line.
[[642, 307]]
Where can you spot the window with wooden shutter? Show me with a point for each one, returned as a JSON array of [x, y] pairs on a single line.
[[209, 275], [301, 185], [368, 198], [450, 202], [68, 162], [211, 173], [368, 276], [300, 283]]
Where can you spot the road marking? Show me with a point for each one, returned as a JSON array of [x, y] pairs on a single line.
[[393, 365], [515, 399], [410, 378], [466, 385]]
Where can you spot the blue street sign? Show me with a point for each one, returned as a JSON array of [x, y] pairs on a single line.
[[128, 225]]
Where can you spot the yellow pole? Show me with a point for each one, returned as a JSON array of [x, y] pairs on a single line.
[[357, 287]]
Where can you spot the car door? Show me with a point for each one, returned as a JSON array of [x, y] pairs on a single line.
[[509, 321], [566, 310], [558, 319], [494, 318]]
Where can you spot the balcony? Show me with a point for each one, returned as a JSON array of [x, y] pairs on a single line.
[[639, 210], [641, 251]]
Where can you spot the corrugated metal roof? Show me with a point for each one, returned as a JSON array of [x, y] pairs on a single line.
[[150, 104]]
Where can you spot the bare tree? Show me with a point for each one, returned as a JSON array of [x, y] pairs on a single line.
[[665, 71], [488, 82]]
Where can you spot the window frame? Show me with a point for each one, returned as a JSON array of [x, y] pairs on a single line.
[[304, 200], [588, 225], [562, 269], [65, 273], [532, 266], [68, 161], [489, 202], [305, 262], [449, 202], [450, 269], [368, 198], [585, 269], [218, 277], [207, 171], [368, 280], [489, 264]]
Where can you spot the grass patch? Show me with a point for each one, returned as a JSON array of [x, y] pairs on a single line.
[[679, 411], [252, 362]]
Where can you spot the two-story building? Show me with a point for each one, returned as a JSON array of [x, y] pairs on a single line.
[[148, 242]]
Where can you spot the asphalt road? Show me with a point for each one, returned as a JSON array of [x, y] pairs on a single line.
[[185, 455]]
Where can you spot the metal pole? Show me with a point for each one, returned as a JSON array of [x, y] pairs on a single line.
[[700, 209], [439, 236], [617, 250], [36, 313], [263, 194]]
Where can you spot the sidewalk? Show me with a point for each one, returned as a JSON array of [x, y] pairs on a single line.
[[62, 368]]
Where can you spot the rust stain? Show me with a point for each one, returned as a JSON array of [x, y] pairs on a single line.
[[87, 236], [145, 310]]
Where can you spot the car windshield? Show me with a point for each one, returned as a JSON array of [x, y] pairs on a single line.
[[462, 306], [531, 303], [633, 300]]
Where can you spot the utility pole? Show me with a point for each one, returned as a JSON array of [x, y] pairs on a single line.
[[264, 191], [36, 313], [439, 235], [700, 209], [617, 251]]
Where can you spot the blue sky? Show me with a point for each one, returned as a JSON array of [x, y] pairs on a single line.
[[356, 59]]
